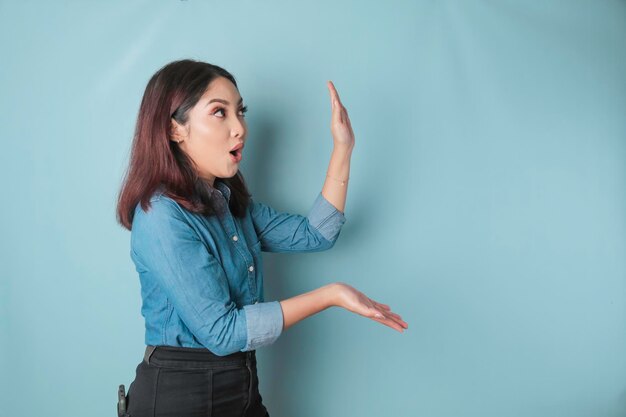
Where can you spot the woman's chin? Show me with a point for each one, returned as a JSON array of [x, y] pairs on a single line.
[[232, 172]]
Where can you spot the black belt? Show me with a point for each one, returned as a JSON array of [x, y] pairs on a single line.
[[196, 355]]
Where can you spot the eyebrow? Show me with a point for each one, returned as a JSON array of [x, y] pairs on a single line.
[[223, 101]]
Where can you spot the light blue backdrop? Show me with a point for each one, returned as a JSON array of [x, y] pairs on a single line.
[[486, 203]]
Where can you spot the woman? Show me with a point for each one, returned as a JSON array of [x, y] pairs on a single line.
[[196, 242]]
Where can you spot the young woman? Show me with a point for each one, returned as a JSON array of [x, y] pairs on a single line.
[[196, 242]]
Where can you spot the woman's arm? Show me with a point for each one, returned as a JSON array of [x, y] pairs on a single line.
[[336, 184], [285, 232], [342, 295], [334, 190], [335, 187], [304, 305]]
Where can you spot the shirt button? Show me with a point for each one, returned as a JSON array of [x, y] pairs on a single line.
[[235, 238], [251, 268]]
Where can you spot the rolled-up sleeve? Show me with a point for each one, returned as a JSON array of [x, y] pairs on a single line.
[[264, 324], [285, 232], [194, 281]]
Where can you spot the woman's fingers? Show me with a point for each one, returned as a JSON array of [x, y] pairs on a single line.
[[333, 93], [387, 310], [331, 90], [389, 315], [399, 321], [340, 126], [390, 323], [336, 104], [393, 317]]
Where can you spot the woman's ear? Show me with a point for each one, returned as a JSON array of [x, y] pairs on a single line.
[[175, 131]]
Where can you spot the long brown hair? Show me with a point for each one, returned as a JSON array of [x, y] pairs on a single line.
[[156, 161]]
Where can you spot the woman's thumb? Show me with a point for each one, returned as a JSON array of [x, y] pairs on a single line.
[[376, 313]]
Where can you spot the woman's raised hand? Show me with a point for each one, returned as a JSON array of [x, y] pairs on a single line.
[[354, 300], [340, 126]]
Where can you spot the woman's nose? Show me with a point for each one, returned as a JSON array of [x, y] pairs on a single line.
[[238, 129]]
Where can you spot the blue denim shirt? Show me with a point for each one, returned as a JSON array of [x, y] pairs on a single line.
[[202, 276]]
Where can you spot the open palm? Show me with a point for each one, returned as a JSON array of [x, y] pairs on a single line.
[[354, 300]]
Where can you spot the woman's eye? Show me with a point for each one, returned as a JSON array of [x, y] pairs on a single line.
[[242, 110]]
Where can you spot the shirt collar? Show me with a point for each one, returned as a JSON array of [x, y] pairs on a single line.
[[223, 188]]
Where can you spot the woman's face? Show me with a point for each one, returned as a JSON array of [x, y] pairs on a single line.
[[214, 127]]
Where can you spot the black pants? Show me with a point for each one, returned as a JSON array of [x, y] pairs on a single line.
[[185, 382]]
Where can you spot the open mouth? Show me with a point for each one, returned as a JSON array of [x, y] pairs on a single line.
[[236, 155]]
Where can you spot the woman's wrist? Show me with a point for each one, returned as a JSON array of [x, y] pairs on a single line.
[[304, 305], [333, 296], [343, 149]]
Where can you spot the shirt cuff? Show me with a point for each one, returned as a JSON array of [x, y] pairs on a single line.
[[326, 218], [264, 322]]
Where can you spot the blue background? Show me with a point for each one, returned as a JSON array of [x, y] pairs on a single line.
[[486, 202]]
